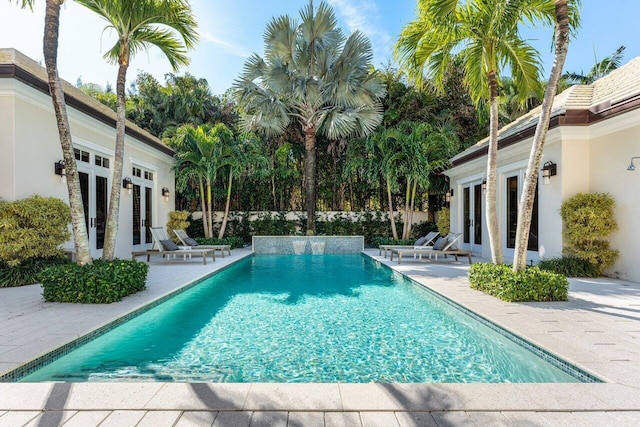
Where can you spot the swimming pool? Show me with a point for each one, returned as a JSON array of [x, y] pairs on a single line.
[[303, 318]]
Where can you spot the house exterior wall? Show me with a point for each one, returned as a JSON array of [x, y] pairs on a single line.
[[28, 128], [590, 158]]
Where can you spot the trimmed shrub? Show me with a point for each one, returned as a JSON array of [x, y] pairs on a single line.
[[235, 242], [530, 284], [569, 266], [443, 221], [33, 228], [27, 272], [177, 221], [102, 282], [589, 220], [377, 241]]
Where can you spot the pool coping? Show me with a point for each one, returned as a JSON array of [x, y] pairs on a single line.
[[554, 397]]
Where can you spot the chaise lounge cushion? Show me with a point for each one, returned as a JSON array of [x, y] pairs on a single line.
[[440, 243], [420, 241], [168, 245], [189, 241]]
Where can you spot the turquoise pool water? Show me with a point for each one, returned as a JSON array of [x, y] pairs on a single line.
[[303, 318]]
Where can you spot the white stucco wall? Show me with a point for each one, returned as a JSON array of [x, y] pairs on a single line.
[[7, 130], [37, 147]]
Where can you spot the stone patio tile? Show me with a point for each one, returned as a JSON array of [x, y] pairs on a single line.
[[603, 419], [24, 396], [563, 419], [452, 419], [379, 419], [564, 397], [105, 395], [619, 396], [487, 397], [269, 419], [292, 397], [526, 419], [87, 419], [123, 418], [233, 419], [393, 397], [50, 418], [493, 419], [200, 396], [415, 419], [159, 419], [305, 419], [17, 418], [342, 419], [626, 418], [622, 372], [197, 419]]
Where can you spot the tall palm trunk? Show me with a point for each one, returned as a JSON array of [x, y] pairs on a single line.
[[223, 226], [525, 206], [392, 220], [210, 206], [310, 178], [111, 229], [491, 207], [407, 203], [203, 204], [50, 51]]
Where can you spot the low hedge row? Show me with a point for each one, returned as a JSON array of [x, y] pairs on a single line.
[[569, 266], [377, 241], [235, 242], [530, 284], [28, 271], [102, 282]]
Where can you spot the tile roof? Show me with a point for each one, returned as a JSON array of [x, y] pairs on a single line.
[[615, 88]]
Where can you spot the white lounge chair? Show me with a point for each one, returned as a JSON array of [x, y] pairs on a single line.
[[421, 242], [446, 246], [163, 245], [188, 241]]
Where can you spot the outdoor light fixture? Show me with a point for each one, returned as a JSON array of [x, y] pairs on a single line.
[[448, 195], [59, 168], [484, 184], [165, 193], [631, 166], [549, 169], [126, 183]]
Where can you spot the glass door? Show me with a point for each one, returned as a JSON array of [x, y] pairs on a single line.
[[95, 192], [142, 216], [472, 217]]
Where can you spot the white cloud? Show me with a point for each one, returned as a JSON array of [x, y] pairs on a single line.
[[228, 47]]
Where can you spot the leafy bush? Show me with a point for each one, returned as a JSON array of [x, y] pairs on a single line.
[[27, 272], [589, 220], [177, 221], [530, 284], [377, 241], [33, 228], [235, 242], [569, 266], [102, 282], [443, 218], [267, 225]]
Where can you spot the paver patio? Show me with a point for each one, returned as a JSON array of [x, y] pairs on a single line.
[[598, 330]]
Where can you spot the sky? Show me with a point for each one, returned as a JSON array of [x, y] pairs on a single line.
[[231, 30]]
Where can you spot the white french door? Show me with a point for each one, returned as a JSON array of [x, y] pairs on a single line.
[[142, 216], [94, 186], [472, 220]]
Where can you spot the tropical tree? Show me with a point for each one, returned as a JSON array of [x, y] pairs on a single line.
[[200, 154], [313, 74], [50, 51], [484, 34], [566, 17], [599, 69], [170, 26]]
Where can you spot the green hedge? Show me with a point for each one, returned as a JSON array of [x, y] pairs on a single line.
[[531, 284], [377, 241], [28, 272], [569, 266], [102, 282], [235, 242]]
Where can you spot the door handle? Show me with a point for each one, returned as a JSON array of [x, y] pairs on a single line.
[[92, 223]]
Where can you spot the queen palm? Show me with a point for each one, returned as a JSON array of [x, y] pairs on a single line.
[[484, 34], [313, 74], [168, 25], [50, 51]]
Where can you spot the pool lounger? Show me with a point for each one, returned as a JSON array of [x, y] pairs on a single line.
[[420, 252], [184, 252]]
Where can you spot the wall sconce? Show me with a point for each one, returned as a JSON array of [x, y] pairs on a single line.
[[165, 193], [631, 166], [126, 183], [549, 169], [484, 185], [448, 195], [59, 168]]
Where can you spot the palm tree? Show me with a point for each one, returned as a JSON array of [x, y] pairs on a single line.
[[50, 50], [599, 69], [485, 36], [566, 17], [200, 153], [315, 75], [168, 25]]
